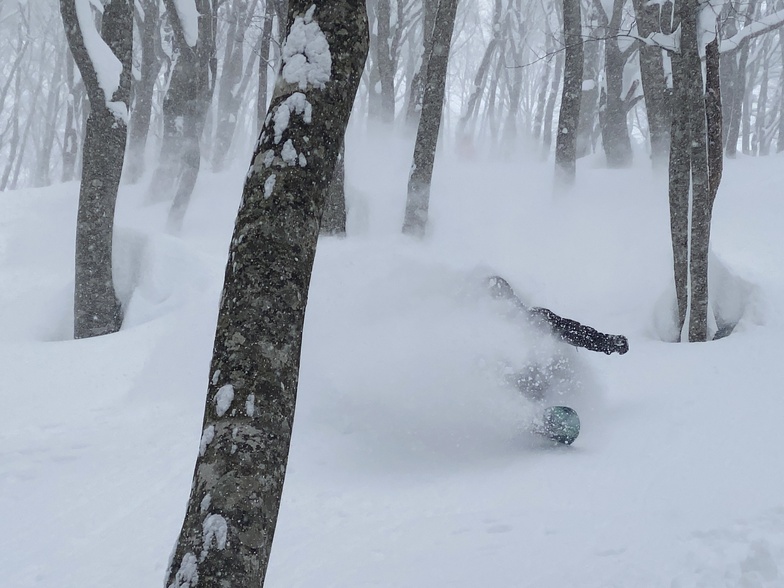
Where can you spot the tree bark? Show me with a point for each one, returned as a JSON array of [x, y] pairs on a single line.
[[569, 116], [547, 131], [615, 129], [386, 68], [96, 308], [42, 176], [696, 159], [185, 110], [72, 118], [264, 64], [420, 177], [480, 77], [738, 88], [417, 92], [333, 221], [654, 84], [589, 88], [759, 144], [233, 80], [679, 184], [233, 507], [542, 95], [746, 129], [149, 28], [614, 106]]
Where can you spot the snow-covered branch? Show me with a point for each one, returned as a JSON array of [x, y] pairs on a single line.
[[670, 42], [107, 66], [757, 28]]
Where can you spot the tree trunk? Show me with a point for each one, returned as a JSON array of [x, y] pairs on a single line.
[[185, 110], [478, 86], [700, 185], [654, 84], [569, 116], [419, 179], [541, 97], [13, 144], [480, 77], [96, 308], [264, 64], [549, 111], [589, 89], [759, 143], [745, 118], [235, 496], [71, 132], [42, 176], [515, 28], [333, 221], [417, 92], [695, 157], [141, 114], [232, 81], [17, 165], [386, 69], [738, 88], [615, 130]]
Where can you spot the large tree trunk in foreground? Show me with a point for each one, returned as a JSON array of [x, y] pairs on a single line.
[[233, 507], [96, 308], [421, 174], [569, 117]]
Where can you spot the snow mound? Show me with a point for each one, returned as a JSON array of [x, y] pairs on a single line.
[[734, 302], [155, 275]]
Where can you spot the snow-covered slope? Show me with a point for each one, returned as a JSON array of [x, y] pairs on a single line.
[[410, 465]]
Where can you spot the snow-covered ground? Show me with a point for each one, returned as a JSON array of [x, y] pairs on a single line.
[[410, 465]]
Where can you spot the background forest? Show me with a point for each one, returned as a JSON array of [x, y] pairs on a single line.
[[616, 160]]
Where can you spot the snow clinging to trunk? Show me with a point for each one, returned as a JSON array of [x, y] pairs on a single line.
[[189, 18], [306, 57], [108, 67]]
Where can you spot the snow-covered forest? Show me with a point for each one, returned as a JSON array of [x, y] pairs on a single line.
[[252, 328]]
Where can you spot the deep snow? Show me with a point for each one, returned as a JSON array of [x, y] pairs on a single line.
[[409, 464]]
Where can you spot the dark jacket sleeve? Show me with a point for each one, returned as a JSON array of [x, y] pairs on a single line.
[[578, 334], [567, 330]]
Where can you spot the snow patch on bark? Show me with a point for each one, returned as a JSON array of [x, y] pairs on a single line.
[[205, 502], [288, 153], [297, 103], [206, 438], [269, 186], [188, 574], [250, 405], [306, 57], [214, 530], [223, 399]]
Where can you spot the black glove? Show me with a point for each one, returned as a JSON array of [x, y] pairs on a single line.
[[616, 344]]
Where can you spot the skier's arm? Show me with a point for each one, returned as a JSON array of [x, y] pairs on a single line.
[[567, 330], [580, 335]]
